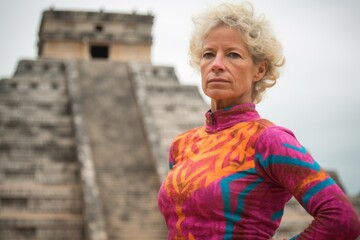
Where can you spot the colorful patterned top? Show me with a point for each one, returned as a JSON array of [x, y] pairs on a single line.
[[232, 178]]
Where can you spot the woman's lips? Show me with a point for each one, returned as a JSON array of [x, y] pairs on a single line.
[[218, 80]]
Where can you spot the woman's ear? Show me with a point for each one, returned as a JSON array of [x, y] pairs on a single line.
[[261, 69]]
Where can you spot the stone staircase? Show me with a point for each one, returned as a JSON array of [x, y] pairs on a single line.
[[40, 195], [125, 168]]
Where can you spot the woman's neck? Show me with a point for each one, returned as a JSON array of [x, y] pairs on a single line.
[[222, 104]]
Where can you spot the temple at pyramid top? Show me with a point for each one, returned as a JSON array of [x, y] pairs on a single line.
[[95, 35]]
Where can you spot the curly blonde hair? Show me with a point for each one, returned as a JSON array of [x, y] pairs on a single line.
[[256, 32]]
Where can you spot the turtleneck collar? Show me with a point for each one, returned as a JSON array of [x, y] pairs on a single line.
[[228, 117]]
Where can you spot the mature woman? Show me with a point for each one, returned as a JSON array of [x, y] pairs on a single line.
[[231, 178]]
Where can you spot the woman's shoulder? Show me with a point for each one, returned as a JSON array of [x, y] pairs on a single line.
[[189, 132], [269, 130], [274, 132], [275, 137], [186, 135]]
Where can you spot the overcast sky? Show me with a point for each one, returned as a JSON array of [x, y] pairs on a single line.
[[316, 97]]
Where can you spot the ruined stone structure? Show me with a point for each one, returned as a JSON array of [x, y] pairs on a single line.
[[89, 35], [84, 141]]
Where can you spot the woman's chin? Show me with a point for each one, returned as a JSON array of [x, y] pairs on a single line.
[[218, 94]]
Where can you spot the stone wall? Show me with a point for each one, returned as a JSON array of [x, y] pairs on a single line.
[[72, 35], [40, 192]]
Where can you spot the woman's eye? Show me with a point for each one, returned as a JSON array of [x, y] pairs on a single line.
[[233, 55], [208, 55]]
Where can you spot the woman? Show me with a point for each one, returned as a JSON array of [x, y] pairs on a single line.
[[232, 178]]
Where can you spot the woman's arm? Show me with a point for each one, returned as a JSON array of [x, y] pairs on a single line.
[[288, 164]]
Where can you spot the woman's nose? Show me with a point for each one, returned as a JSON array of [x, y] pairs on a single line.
[[218, 63]]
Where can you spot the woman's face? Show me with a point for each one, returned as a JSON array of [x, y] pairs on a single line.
[[227, 68]]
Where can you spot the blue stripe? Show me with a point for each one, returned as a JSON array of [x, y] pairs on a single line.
[[232, 218], [295, 237], [277, 215], [277, 159], [302, 149], [315, 189]]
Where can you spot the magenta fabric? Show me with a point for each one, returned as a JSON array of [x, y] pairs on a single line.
[[231, 179]]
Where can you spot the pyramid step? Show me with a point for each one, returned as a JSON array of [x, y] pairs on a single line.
[[22, 143], [40, 198], [32, 88], [51, 122], [154, 83], [40, 67], [128, 234], [24, 156], [37, 142], [170, 105], [31, 189], [56, 108], [150, 71], [42, 108], [60, 148], [32, 92], [38, 78], [24, 218], [33, 233], [20, 100], [40, 226], [32, 96], [172, 89], [57, 155], [33, 83], [40, 112], [138, 230], [49, 173], [43, 165], [40, 133]]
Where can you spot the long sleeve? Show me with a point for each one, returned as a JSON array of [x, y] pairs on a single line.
[[286, 163]]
